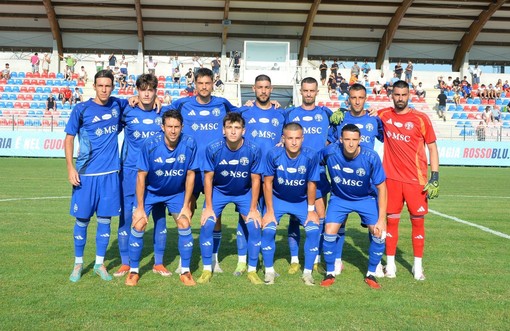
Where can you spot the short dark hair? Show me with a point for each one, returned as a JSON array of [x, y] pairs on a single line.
[[293, 126], [357, 87], [233, 117], [309, 80], [172, 113], [351, 128], [262, 78], [401, 84], [203, 72], [104, 74], [146, 81]]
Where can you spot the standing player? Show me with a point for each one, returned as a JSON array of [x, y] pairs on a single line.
[[264, 125], [371, 128], [232, 174], [354, 170], [166, 175], [202, 115], [315, 121], [140, 123], [407, 132], [289, 188], [95, 178]]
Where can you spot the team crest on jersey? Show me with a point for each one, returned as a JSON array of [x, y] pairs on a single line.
[[254, 133], [281, 180], [194, 126], [137, 134], [360, 172], [99, 132], [275, 122], [301, 170], [224, 173], [244, 161], [159, 172], [370, 127], [318, 117], [181, 158], [336, 179], [115, 112], [158, 120], [216, 112], [409, 125]]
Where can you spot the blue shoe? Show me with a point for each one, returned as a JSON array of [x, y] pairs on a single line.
[[101, 271], [76, 274]]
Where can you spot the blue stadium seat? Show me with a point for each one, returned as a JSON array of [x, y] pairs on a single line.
[[57, 82], [9, 104], [31, 113], [12, 97], [499, 102], [39, 113], [506, 125], [36, 122], [459, 124], [169, 79], [42, 105], [64, 113], [39, 89], [18, 82], [481, 108], [451, 108], [2, 104], [459, 108], [60, 75], [34, 105], [47, 90], [176, 86], [455, 116], [29, 122], [14, 74], [463, 116], [10, 81], [169, 85], [175, 93], [476, 101], [469, 101], [5, 96], [15, 89], [8, 88], [468, 124], [61, 123], [37, 97]]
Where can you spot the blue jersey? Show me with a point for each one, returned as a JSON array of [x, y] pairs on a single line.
[[167, 169], [315, 124], [291, 176], [263, 127], [232, 169], [203, 122], [352, 179], [97, 127], [138, 125], [370, 127]]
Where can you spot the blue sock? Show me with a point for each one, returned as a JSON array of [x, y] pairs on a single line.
[[375, 252], [123, 236], [329, 251], [80, 236], [321, 232], [216, 241], [242, 237], [102, 235], [311, 244], [159, 233], [340, 241], [206, 241], [185, 245], [135, 247], [294, 236], [268, 244], [254, 237]]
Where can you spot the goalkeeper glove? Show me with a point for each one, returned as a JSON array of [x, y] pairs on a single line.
[[337, 117], [432, 187]]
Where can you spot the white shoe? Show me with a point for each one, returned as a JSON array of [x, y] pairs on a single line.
[[339, 267], [308, 279], [178, 270], [418, 275], [379, 272], [217, 269], [390, 271]]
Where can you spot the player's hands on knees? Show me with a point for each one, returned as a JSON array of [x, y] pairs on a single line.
[[206, 213], [268, 218], [312, 217], [139, 219], [380, 229], [74, 177], [255, 216], [185, 216]]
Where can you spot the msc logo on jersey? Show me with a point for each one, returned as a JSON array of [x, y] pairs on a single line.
[[159, 172], [275, 122], [301, 170], [318, 117], [224, 173], [398, 136], [235, 174], [360, 172], [312, 130], [106, 130], [169, 173], [281, 180], [204, 126], [263, 134], [216, 112], [181, 158], [370, 127], [409, 125], [244, 161], [351, 182], [337, 179], [137, 134]]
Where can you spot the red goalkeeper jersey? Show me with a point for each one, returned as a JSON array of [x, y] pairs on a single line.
[[406, 136]]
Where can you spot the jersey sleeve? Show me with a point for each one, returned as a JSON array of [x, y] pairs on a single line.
[[209, 159], [314, 173], [257, 166], [380, 130], [378, 176], [269, 164], [143, 159]]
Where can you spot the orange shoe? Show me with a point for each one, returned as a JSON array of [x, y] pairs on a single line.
[[123, 270], [132, 279], [372, 282], [328, 281], [160, 269], [187, 279]]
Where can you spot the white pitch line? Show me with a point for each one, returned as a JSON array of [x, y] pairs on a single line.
[[483, 228], [40, 198], [474, 196]]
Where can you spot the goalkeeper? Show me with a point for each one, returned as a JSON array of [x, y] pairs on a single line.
[[407, 133]]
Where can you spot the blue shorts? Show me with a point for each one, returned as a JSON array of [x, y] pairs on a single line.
[[173, 202], [220, 200], [199, 184], [339, 209], [99, 194], [128, 182], [296, 209], [323, 186]]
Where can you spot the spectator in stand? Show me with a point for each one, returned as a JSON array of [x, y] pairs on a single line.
[[344, 87], [449, 83], [70, 63], [68, 74], [339, 79], [334, 67], [420, 91], [332, 86], [456, 84], [415, 82], [176, 64], [475, 74], [99, 62], [275, 66], [177, 76], [355, 70], [506, 86], [441, 106], [82, 75], [197, 64], [112, 61], [51, 103], [389, 84], [464, 81], [151, 65], [409, 71], [365, 81], [365, 67], [487, 115], [377, 88], [323, 68], [236, 60], [480, 131], [398, 70], [34, 61], [167, 98], [482, 92], [218, 84], [456, 98], [190, 90], [6, 72], [123, 64], [466, 91], [46, 60], [119, 77], [491, 93], [77, 96], [190, 77], [216, 65], [67, 96], [496, 114], [441, 85], [498, 88], [130, 83]]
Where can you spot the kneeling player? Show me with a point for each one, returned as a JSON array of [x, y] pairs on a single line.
[[232, 174], [166, 175], [289, 188], [354, 170]]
